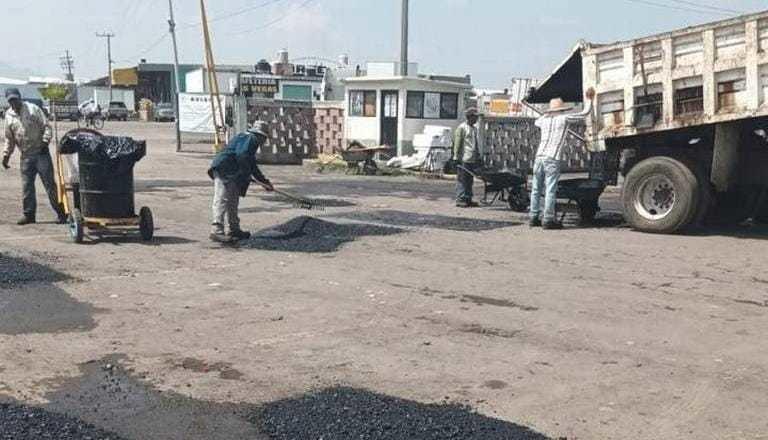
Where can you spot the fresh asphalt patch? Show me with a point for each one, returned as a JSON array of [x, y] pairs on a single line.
[[106, 398], [413, 219], [15, 271], [21, 422], [311, 235], [343, 413]]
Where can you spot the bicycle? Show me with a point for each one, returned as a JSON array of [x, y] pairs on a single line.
[[95, 121]]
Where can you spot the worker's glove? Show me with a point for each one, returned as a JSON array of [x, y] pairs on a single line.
[[6, 159], [268, 186]]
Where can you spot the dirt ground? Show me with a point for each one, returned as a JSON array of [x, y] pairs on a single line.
[[586, 333]]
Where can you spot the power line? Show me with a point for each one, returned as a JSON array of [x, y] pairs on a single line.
[[677, 8], [275, 21], [147, 50], [233, 14], [706, 6]]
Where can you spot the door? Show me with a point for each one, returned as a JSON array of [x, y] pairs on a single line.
[[389, 112]]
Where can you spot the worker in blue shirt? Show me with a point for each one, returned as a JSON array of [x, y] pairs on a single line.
[[232, 171]]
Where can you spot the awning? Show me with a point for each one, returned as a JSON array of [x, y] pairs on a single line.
[[565, 82]]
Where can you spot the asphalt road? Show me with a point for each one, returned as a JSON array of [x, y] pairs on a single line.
[[387, 303]]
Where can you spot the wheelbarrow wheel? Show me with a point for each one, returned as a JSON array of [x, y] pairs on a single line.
[[146, 224], [588, 210], [519, 200], [76, 226]]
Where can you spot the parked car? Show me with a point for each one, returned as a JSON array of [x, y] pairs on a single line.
[[117, 110], [164, 112]]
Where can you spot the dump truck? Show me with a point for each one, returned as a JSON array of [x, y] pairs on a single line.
[[682, 117]]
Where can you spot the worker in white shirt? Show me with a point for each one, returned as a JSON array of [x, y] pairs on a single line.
[[554, 125]]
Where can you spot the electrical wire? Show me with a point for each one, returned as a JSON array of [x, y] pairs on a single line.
[[706, 6], [235, 13], [145, 51], [677, 8], [304, 4]]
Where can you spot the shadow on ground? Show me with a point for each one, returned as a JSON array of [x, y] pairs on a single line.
[[311, 235], [163, 185], [31, 304], [109, 397], [412, 219], [118, 238]]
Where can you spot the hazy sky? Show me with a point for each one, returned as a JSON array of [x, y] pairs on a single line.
[[493, 40]]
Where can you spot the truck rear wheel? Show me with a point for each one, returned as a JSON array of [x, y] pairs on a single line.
[[661, 195]]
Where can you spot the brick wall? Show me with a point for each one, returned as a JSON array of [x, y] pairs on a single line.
[[512, 143], [329, 125]]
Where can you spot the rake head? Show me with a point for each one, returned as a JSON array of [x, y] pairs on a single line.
[[308, 204]]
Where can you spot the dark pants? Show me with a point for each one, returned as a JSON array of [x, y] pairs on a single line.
[[34, 165], [465, 181]]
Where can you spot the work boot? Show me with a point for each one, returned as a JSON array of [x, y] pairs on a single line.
[[552, 225], [471, 204], [462, 204], [220, 237], [239, 234], [534, 222], [62, 220], [26, 220]]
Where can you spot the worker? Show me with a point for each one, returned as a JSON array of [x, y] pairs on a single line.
[[89, 110], [27, 129], [467, 155], [554, 126], [232, 171]]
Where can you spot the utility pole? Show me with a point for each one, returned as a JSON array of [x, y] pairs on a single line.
[[172, 30], [68, 64], [109, 36], [404, 40]]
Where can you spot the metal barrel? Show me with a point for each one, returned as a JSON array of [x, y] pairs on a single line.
[[104, 191]]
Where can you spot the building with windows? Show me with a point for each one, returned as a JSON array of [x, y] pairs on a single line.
[[385, 108]]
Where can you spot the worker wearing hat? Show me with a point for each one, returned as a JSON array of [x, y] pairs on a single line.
[[554, 126], [467, 155], [232, 171], [27, 129]]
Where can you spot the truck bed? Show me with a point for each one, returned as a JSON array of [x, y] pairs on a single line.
[[717, 72]]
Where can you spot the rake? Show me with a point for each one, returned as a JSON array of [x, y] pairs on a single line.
[[299, 201]]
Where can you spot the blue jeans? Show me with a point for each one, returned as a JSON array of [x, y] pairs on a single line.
[[546, 174]]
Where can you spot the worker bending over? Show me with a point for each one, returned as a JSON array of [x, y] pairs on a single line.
[[554, 125], [232, 171]]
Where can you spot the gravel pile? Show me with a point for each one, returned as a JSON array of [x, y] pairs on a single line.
[[311, 235], [347, 413], [412, 219], [15, 271], [27, 423]]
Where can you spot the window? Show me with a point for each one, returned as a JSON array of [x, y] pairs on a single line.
[[649, 107], [362, 103], [731, 89], [431, 105], [689, 97], [449, 106], [415, 105], [612, 108]]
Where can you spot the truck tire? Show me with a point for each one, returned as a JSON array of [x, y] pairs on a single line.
[[661, 195]]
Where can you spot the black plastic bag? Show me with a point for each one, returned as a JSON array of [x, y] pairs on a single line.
[[105, 149]]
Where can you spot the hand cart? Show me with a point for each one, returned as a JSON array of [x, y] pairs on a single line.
[[109, 210], [354, 157], [507, 186]]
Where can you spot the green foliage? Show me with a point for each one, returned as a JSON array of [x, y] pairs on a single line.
[[54, 92]]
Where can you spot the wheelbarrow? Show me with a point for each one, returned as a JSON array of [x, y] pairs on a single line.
[[508, 186], [104, 200], [361, 159]]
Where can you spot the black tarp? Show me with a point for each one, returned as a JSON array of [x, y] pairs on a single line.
[[114, 151], [566, 82]]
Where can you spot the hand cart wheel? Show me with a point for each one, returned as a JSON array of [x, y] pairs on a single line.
[[146, 224], [76, 226]]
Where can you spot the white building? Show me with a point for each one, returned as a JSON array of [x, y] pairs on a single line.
[[226, 76], [384, 108]]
